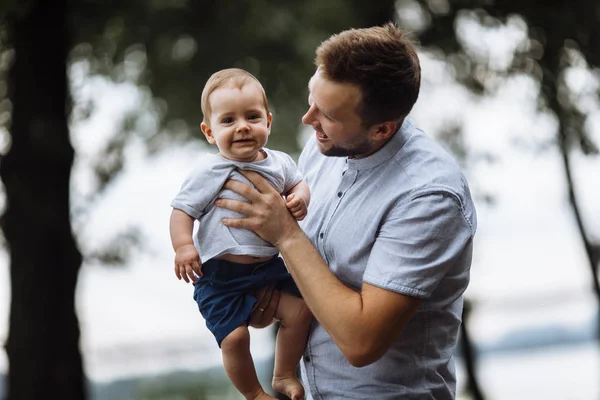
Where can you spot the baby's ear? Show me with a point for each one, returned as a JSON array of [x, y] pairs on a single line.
[[269, 120], [207, 133]]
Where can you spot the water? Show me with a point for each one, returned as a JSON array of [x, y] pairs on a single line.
[[553, 373]]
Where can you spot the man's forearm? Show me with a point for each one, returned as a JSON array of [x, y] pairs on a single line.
[[337, 307], [362, 324]]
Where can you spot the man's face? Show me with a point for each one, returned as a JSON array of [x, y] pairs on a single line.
[[332, 114]]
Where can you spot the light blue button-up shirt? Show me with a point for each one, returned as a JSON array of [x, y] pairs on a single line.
[[401, 219]]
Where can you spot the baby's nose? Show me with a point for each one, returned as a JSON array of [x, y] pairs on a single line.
[[242, 126]]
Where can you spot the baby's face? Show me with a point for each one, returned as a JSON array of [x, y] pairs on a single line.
[[239, 124]]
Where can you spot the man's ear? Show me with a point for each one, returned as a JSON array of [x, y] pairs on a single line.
[[384, 130], [207, 133]]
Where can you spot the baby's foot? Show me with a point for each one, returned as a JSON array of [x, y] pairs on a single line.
[[290, 386]]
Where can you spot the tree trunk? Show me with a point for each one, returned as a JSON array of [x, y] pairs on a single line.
[[593, 256], [43, 338], [469, 356], [565, 141]]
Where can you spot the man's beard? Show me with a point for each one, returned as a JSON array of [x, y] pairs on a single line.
[[351, 151]]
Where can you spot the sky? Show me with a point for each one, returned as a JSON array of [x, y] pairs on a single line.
[[529, 267]]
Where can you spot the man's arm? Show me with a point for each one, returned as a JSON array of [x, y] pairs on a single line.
[[362, 324]]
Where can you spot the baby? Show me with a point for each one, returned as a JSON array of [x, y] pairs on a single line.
[[228, 265]]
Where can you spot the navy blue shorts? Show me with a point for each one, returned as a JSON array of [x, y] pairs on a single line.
[[224, 293]]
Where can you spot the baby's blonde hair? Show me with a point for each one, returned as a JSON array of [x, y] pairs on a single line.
[[238, 77]]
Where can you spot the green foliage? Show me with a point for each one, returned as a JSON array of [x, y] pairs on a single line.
[[558, 52], [15, 8], [172, 47], [191, 392], [206, 384], [202, 389], [169, 48], [560, 38]]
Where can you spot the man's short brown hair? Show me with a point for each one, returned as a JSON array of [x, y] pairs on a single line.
[[238, 77], [382, 61]]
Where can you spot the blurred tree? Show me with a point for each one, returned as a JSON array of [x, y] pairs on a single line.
[[561, 38], [468, 353], [171, 47], [561, 41], [168, 47], [43, 338]]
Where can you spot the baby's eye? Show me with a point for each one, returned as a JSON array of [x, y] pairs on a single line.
[[227, 120], [253, 116]]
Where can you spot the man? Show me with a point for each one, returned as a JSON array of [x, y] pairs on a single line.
[[383, 256]]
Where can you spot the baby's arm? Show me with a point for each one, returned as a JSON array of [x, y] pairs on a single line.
[[297, 200], [187, 259]]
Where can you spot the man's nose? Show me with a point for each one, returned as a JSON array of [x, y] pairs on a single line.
[[308, 117]]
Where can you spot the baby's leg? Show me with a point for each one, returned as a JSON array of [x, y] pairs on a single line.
[[295, 318], [239, 366]]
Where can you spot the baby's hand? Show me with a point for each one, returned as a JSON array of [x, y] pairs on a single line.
[[187, 262], [297, 206]]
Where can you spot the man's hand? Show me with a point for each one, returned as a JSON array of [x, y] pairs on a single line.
[[187, 262], [266, 214], [263, 313], [297, 206]]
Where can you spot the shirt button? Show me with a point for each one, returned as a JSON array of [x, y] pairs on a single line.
[[307, 359], [321, 235], [340, 194]]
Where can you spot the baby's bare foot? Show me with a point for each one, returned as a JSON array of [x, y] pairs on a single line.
[[290, 386]]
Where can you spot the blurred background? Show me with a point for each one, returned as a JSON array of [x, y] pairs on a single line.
[[99, 124]]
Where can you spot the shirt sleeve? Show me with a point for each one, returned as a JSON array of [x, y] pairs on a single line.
[[418, 243], [199, 189]]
